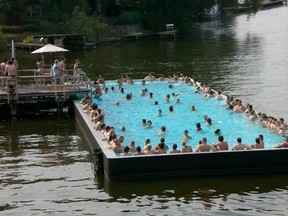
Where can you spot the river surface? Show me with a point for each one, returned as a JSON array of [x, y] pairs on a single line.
[[45, 160]]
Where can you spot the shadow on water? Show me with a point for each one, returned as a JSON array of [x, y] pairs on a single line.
[[202, 187]]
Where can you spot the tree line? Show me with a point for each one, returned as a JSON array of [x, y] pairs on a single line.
[[93, 17]]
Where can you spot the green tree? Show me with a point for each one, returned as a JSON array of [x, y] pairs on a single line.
[[12, 10], [3, 43], [182, 12], [80, 23], [62, 10]]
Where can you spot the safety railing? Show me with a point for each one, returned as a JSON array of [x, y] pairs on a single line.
[[41, 84]]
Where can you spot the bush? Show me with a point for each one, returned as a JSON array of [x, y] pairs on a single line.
[[3, 43], [12, 29], [34, 22], [129, 18], [28, 39], [31, 27]]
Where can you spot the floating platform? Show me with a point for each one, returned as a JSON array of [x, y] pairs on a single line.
[[262, 161], [25, 94]]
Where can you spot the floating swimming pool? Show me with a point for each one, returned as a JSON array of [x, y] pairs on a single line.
[[129, 114]]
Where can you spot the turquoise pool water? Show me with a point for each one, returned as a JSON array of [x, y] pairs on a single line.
[[131, 112]]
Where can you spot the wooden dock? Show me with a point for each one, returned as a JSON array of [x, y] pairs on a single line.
[[168, 34], [25, 91], [136, 36]]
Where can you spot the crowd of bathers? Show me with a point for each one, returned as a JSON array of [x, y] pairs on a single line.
[[116, 143]]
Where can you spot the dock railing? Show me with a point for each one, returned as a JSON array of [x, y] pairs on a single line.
[[30, 83]]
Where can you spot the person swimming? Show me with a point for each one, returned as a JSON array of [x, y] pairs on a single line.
[[186, 135]]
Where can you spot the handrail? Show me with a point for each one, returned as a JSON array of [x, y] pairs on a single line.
[[86, 80], [68, 82]]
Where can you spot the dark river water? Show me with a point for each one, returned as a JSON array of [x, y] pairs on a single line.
[[45, 160]]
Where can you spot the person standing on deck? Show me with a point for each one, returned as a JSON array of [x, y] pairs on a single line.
[[3, 65], [62, 67], [15, 62], [10, 69], [55, 71], [40, 70], [76, 70]]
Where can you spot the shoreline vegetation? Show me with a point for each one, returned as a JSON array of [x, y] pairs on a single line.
[[105, 22]]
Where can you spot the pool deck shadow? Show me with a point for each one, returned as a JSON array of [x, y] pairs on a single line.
[[264, 161]]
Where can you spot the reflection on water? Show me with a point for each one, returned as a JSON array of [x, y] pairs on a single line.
[[45, 164]]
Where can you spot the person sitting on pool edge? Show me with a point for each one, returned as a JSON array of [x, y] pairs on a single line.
[[283, 145], [204, 147], [138, 151], [147, 142], [239, 107], [150, 77], [148, 150], [161, 148], [132, 147], [221, 145], [240, 146], [219, 96], [283, 127], [174, 149], [257, 145], [162, 141], [97, 92], [126, 151], [162, 78], [186, 148]]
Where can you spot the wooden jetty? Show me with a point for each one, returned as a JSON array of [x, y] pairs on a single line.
[[24, 93], [168, 34], [66, 40], [25, 46], [136, 36]]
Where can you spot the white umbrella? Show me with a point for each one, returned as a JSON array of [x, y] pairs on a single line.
[[49, 48]]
